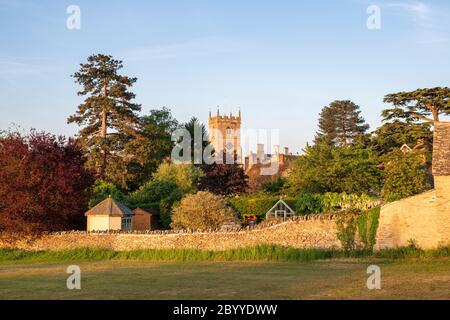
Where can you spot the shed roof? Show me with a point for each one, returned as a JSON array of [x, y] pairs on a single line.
[[110, 207], [281, 205]]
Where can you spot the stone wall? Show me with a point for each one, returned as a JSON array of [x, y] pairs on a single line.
[[317, 232], [424, 218], [441, 149]]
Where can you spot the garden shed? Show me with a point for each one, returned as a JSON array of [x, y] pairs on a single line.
[[146, 219], [109, 215], [280, 210]]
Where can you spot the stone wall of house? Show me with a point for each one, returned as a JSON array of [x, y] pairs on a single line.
[[315, 232], [424, 218]]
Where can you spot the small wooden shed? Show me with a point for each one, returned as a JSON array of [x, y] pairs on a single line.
[[109, 215], [146, 219], [280, 210]]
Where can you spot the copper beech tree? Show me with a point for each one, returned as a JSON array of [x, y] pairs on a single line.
[[43, 183]]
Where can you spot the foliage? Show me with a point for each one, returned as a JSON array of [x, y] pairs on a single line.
[[258, 204], [201, 211], [367, 224], [157, 194], [346, 226], [274, 186], [43, 183], [420, 105], [110, 133], [393, 135], [404, 175], [308, 204], [341, 123], [199, 141], [102, 190], [157, 128], [326, 168], [223, 179], [186, 176]]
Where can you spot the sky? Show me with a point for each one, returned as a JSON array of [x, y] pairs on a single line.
[[280, 62]]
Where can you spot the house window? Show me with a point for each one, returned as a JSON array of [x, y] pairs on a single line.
[[229, 132], [126, 223]]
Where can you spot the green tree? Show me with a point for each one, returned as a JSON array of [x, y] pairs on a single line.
[[157, 128], [108, 117], [326, 168], [201, 211], [392, 135], [199, 139], [420, 105], [186, 176], [274, 186], [157, 194], [404, 175], [102, 190], [341, 123]]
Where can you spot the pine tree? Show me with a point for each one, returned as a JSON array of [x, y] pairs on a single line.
[[108, 117], [341, 123]]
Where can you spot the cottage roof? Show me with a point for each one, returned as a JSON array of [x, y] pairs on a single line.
[[110, 207]]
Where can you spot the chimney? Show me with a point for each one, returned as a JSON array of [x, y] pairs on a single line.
[[260, 152], [286, 151], [276, 149]]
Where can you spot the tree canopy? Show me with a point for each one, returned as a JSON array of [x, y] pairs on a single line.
[[420, 105], [43, 183], [110, 133], [341, 123]]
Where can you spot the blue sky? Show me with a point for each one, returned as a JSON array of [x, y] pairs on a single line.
[[279, 61]]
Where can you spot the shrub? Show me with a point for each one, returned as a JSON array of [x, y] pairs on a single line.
[[309, 204], [201, 211]]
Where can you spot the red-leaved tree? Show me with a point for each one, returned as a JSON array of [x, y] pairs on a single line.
[[43, 183]]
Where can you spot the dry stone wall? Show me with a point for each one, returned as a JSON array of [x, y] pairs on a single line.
[[317, 232]]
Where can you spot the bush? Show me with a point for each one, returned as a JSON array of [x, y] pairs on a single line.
[[201, 211], [308, 204]]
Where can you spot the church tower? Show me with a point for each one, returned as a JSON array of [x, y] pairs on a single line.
[[225, 133]]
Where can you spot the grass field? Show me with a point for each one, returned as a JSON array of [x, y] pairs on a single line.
[[118, 278]]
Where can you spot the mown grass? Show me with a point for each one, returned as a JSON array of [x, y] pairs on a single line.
[[259, 253]]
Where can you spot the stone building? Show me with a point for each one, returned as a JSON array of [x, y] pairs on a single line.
[[225, 134], [261, 167]]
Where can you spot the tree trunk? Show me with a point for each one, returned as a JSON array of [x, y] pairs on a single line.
[[104, 132], [435, 114]]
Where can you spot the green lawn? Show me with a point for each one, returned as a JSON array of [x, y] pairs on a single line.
[[331, 279]]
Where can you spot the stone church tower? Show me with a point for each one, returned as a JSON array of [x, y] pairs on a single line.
[[225, 134]]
